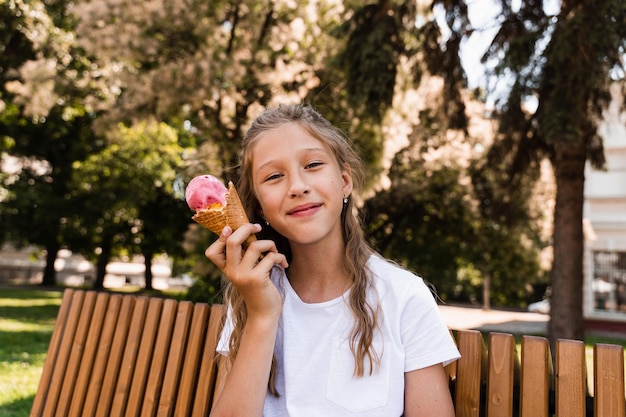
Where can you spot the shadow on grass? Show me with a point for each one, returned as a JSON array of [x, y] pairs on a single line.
[[30, 313], [27, 329], [14, 344], [17, 408], [31, 292]]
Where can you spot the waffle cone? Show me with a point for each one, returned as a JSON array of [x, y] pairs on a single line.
[[231, 214], [213, 219]]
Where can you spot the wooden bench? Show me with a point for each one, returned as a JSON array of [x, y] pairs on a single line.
[[127, 355]]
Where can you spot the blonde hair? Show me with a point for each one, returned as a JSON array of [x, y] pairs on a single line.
[[357, 250]]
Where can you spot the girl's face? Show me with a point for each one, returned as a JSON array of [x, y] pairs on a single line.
[[299, 184]]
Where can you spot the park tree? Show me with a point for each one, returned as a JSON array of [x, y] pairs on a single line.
[[563, 62], [49, 97], [432, 220], [163, 222], [128, 201], [425, 219]]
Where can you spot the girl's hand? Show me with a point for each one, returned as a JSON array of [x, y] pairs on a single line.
[[249, 270]]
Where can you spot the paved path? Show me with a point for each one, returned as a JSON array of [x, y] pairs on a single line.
[[519, 322]]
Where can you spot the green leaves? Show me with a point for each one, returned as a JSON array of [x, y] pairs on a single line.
[[135, 171]]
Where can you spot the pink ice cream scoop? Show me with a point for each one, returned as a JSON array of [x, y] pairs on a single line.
[[205, 191], [216, 206]]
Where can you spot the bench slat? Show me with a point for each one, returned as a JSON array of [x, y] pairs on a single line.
[[570, 378], [77, 353], [608, 379], [53, 351], [92, 394], [89, 353], [501, 359], [129, 358], [101, 404], [208, 372], [171, 378], [469, 373], [190, 371], [77, 350], [159, 358], [536, 368], [144, 358], [63, 358]]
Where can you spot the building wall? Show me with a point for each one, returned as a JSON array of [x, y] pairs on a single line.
[[605, 220]]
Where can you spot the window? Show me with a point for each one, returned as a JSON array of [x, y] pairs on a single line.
[[609, 281]]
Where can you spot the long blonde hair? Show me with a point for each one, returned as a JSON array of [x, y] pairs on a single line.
[[366, 316]]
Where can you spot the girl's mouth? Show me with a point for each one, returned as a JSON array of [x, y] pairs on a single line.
[[304, 209]]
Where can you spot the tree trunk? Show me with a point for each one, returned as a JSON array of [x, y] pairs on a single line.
[[101, 264], [487, 291], [49, 273], [566, 315], [148, 274]]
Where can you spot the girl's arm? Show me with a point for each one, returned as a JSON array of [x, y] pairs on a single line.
[[426, 393], [246, 384], [245, 387]]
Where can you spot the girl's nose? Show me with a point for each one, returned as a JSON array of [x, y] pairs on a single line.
[[298, 186]]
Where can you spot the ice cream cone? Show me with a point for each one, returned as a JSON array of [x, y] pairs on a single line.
[[231, 214], [211, 218]]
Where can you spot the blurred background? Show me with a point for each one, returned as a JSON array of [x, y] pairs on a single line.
[[494, 133]]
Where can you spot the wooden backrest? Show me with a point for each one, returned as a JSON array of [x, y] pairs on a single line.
[[493, 380], [128, 355]]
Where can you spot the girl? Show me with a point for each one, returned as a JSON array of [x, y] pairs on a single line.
[[319, 324]]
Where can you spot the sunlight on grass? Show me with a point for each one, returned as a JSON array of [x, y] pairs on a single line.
[[26, 322], [11, 302], [17, 326], [19, 380]]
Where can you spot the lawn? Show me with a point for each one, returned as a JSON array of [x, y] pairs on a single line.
[[26, 322]]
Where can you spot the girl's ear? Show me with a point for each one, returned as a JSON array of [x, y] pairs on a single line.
[[346, 178]]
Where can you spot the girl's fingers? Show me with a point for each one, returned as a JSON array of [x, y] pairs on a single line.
[[273, 258], [228, 254], [249, 270], [262, 249], [234, 243], [217, 251]]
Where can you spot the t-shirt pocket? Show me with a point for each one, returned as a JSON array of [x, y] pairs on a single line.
[[356, 394]]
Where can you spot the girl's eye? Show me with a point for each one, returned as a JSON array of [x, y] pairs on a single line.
[[313, 164], [272, 177]]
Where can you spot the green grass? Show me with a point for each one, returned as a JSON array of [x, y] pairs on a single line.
[[26, 321]]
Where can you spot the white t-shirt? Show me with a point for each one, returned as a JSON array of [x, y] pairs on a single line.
[[316, 366]]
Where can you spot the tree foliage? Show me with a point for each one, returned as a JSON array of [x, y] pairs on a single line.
[[565, 62], [102, 103], [127, 197], [44, 96], [432, 219]]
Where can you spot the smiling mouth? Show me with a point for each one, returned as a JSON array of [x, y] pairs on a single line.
[[303, 209]]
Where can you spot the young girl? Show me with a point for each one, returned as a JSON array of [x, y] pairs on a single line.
[[319, 324]]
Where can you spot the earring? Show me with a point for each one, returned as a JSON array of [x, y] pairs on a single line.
[[345, 200], [267, 223]]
